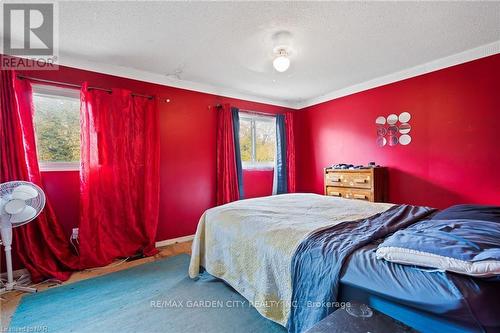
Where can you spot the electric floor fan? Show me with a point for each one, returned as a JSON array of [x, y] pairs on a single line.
[[20, 203]]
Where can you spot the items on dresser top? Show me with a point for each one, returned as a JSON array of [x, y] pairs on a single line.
[[363, 184], [344, 166]]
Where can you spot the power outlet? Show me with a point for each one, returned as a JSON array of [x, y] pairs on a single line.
[[74, 234]]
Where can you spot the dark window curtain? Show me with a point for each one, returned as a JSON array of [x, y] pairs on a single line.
[[290, 152], [227, 174], [280, 171], [41, 245], [237, 152], [119, 176]]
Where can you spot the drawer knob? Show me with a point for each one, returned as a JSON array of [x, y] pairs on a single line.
[[360, 181], [360, 196], [335, 194]]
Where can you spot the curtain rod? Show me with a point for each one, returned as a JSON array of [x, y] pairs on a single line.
[[22, 77], [258, 113], [253, 112]]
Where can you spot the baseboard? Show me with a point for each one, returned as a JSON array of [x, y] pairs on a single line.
[[17, 273], [174, 240]]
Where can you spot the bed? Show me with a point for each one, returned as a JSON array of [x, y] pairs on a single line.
[[264, 246]]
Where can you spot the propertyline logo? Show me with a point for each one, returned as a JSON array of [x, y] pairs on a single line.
[[30, 34]]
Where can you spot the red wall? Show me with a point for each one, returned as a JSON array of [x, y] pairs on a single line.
[[454, 154], [188, 142], [63, 190], [258, 183]]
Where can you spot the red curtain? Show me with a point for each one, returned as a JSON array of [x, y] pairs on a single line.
[[119, 176], [40, 245], [290, 152], [227, 176]]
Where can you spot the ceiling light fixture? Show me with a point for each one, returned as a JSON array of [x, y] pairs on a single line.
[[281, 62]]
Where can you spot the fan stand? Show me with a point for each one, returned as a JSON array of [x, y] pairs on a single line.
[[6, 232]]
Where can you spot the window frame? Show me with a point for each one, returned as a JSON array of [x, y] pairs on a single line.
[[254, 165], [61, 93]]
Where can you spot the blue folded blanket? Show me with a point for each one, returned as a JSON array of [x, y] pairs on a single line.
[[464, 246]]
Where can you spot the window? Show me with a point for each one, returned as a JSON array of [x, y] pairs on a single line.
[[57, 127], [257, 141]]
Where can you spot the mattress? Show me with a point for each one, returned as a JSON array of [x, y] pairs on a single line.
[[425, 299]]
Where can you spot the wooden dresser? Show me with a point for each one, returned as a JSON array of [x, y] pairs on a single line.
[[361, 184]]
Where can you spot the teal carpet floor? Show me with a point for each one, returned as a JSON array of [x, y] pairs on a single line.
[[154, 297]]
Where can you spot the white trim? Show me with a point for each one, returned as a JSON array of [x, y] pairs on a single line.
[[56, 92], [452, 60], [150, 77], [174, 241], [249, 116], [258, 166], [59, 166], [136, 74]]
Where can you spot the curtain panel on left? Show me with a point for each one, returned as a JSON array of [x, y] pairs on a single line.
[[284, 168], [119, 176], [41, 245], [229, 171], [290, 152]]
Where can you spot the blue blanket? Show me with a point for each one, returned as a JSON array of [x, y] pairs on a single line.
[[466, 240], [317, 263]]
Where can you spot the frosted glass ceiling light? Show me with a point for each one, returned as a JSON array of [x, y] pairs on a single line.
[[281, 62]]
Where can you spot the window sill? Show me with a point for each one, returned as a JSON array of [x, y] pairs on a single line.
[[258, 168], [59, 166]]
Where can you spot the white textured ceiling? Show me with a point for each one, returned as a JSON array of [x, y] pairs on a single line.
[[228, 45]]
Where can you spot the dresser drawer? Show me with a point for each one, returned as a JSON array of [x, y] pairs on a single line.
[[333, 179], [349, 179], [349, 193], [335, 191]]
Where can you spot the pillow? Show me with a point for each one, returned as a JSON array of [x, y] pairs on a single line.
[[470, 247], [470, 212]]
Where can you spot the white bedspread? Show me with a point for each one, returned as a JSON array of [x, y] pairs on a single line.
[[250, 243]]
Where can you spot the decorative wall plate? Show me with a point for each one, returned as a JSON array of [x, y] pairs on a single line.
[[381, 141], [380, 120], [392, 119], [392, 140], [404, 139], [393, 129], [404, 117], [404, 128], [381, 131]]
